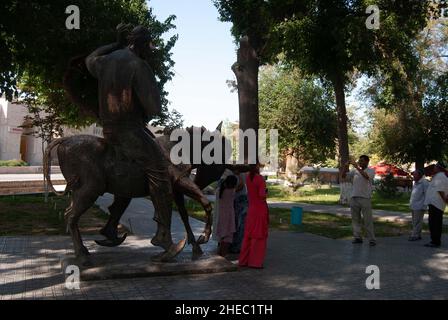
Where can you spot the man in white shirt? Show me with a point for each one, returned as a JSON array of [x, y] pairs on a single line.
[[360, 202], [417, 203], [436, 199]]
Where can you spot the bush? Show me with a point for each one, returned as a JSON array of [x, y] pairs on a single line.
[[387, 187], [314, 179], [13, 163]]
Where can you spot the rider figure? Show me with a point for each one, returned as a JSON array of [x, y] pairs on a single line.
[[128, 99]]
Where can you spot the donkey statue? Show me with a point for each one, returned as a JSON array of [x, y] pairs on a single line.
[[92, 167]]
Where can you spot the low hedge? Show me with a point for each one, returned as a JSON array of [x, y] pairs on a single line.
[[13, 163]]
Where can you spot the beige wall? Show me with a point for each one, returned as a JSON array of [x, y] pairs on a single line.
[[11, 117]]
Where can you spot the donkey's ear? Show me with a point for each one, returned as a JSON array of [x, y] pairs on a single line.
[[219, 127]]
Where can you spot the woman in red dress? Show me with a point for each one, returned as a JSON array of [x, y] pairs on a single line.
[[253, 249]]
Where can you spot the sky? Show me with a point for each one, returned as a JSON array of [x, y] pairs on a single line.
[[203, 56]]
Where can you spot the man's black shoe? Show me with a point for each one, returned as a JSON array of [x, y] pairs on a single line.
[[357, 240], [372, 243]]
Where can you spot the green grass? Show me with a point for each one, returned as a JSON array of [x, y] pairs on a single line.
[[400, 203], [195, 210], [30, 215], [13, 163], [332, 226], [307, 194], [330, 196], [323, 224]]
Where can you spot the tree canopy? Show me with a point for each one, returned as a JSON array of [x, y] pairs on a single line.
[[36, 46], [257, 19], [331, 40], [410, 125], [302, 110]]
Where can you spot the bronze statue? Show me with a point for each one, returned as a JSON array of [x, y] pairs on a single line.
[[93, 167], [129, 162]]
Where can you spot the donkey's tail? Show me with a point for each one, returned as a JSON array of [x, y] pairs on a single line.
[[47, 165]]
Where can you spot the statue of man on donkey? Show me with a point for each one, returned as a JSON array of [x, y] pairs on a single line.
[[129, 162]]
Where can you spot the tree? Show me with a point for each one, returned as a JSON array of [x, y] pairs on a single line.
[[301, 109], [331, 41], [253, 23], [405, 135], [41, 48], [43, 120], [410, 124]]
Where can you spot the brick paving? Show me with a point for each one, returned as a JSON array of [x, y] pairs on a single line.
[[298, 266]]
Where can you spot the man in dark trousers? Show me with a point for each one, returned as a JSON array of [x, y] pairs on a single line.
[[436, 199], [128, 99]]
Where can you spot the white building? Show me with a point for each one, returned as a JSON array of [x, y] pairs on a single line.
[[17, 143]]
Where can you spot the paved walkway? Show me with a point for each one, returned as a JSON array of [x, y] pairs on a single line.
[[28, 177], [298, 266], [138, 218]]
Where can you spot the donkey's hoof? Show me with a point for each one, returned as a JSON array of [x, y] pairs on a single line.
[[202, 239], [197, 252], [112, 242], [84, 251], [157, 257], [85, 261], [171, 253]]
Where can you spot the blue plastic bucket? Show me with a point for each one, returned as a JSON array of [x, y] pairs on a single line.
[[296, 215]]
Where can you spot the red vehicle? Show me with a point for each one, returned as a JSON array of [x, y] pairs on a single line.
[[383, 169], [402, 178]]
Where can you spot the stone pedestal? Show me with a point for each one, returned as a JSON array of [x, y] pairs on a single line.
[[133, 260]]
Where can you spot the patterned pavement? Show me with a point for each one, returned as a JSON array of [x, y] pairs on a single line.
[[298, 266]]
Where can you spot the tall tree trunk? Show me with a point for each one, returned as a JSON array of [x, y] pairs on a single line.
[[246, 71], [43, 173], [419, 163], [338, 84]]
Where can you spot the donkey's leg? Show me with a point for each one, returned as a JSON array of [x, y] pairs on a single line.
[[110, 230], [82, 201], [189, 188], [180, 203]]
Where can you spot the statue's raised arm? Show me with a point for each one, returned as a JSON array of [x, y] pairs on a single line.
[[94, 60]]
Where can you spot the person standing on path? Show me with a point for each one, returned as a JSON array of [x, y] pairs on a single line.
[[436, 199], [253, 249], [361, 198], [240, 205], [417, 204], [226, 173], [226, 220]]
